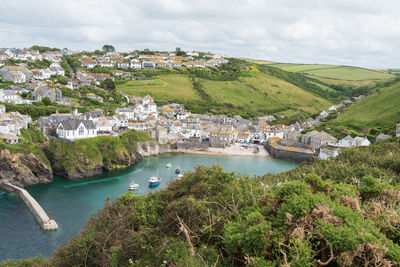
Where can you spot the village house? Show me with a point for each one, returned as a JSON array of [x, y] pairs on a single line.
[[95, 97], [103, 125], [129, 113], [326, 153], [16, 74], [10, 96], [361, 141], [317, 139], [135, 64], [381, 137], [221, 137], [161, 134], [167, 111], [148, 64], [119, 73], [347, 141], [76, 129], [54, 94], [2, 109], [56, 69], [41, 74], [123, 65]]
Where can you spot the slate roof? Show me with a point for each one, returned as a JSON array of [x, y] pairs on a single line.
[[73, 124]]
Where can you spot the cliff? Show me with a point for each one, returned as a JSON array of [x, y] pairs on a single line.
[[93, 156], [23, 169], [24, 163]]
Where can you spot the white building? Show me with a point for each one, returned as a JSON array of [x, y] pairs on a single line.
[[326, 153], [76, 129], [129, 113], [361, 141], [136, 64], [346, 142]]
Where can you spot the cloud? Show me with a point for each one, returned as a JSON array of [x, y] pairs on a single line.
[[359, 32]]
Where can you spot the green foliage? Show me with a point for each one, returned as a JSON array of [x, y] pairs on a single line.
[[108, 84], [302, 217], [37, 110], [46, 101], [39, 64], [36, 261], [42, 49], [98, 152], [108, 48]]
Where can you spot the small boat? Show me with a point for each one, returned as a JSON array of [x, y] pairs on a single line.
[[169, 165], [133, 186], [154, 181], [179, 176], [178, 170]]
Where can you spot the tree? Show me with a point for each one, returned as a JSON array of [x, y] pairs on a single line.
[[46, 101], [108, 48], [109, 84]]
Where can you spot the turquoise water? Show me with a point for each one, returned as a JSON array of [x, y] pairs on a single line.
[[72, 203]]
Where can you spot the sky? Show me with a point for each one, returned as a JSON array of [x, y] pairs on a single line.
[[361, 33]]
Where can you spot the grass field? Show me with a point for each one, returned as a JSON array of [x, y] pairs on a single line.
[[303, 67], [380, 109], [349, 73], [173, 87], [258, 94], [338, 75], [262, 91]]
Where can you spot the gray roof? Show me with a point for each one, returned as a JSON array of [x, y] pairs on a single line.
[[73, 124]]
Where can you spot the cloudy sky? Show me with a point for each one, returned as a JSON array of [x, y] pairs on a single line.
[[352, 32]]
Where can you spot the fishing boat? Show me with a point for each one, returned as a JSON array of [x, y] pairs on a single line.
[[178, 170], [133, 186], [179, 176], [154, 181], [169, 165]]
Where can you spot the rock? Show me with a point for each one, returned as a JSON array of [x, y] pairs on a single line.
[[23, 170]]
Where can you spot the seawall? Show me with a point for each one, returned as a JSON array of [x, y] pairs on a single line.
[[37, 211], [289, 150]]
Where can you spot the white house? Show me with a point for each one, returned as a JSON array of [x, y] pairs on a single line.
[[128, 112], [328, 152], [104, 125], [361, 141], [324, 114], [10, 96], [123, 65], [147, 99], [346, 142], [76, 129], [136, 64]]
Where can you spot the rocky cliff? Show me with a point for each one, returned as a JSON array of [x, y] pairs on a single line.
[[23, 169], [93, 156]]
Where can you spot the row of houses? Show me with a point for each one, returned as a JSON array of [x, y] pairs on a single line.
[[11, 124]]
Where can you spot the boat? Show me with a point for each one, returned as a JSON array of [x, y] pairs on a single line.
[[154, 181], [169, 165], [133, 186], [178, 170], [179, 176]]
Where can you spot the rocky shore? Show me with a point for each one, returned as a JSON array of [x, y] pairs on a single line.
[[23, 169]]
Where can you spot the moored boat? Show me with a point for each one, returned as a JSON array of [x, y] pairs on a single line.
[[178, 170], [179, 176], [133, 186], [169, 165], [154, 181]]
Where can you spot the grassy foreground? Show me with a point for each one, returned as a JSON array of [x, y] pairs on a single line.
[[338, 212]]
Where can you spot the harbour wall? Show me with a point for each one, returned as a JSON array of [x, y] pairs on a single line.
[[37, 211]]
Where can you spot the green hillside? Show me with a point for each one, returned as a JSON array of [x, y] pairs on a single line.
[[336, 75], [379, 110], [341, 212], [252, 93]]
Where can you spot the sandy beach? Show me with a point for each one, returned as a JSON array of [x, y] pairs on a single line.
[[233, 150]]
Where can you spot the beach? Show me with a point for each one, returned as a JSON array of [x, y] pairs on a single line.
[[233, 150]]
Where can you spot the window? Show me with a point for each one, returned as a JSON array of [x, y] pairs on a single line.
[[81, 130]]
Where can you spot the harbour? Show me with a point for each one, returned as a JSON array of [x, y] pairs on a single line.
[[73, 202]]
